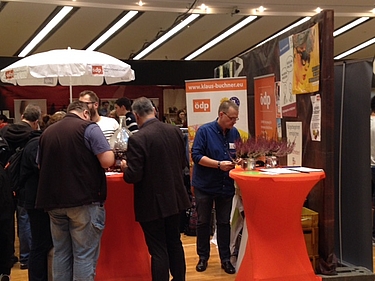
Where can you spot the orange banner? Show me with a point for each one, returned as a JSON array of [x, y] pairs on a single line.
[[265, 106]]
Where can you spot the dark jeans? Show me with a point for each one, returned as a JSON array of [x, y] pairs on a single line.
[[165, 247], [24, 234], [40, 246], [223, 206]]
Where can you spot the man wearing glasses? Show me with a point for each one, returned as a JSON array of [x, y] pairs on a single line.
[[107, 125], [211, 150]]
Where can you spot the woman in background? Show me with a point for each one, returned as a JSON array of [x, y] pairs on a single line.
[[181, 119]]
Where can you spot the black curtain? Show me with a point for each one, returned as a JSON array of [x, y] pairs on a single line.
[[353, 223]]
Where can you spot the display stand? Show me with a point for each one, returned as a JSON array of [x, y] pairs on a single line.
[[123, 253], [276, 248]]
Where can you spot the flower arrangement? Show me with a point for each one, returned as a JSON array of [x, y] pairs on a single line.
[[255, 147]]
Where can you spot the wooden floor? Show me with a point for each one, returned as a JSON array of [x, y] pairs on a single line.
[[213, 272]]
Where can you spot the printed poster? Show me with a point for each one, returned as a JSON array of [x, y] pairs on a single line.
[[306, 63], [288, 102], [265, 106], [315, 125], [294, 133]]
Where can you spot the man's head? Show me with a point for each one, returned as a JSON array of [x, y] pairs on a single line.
[[92, 101], [143, 110], [122, 106], [80, 108], [228, 114], [32, 115]]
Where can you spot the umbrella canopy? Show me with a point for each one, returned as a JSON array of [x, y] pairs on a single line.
[[69, 67]]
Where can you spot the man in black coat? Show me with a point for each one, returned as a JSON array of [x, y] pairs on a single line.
[[156, 158]]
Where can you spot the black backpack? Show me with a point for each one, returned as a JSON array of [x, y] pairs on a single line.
[[5, 151], [12, 168]]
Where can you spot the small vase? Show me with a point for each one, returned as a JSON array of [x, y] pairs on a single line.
[[119, 143], [271, 162], [248, 164]]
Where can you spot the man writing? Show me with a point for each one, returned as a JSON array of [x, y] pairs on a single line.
[[211, 150]]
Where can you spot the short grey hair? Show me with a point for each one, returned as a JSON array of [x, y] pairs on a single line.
[[32, 113], [142, 106]]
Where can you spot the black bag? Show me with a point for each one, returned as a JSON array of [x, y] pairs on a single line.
[[5, 151], [13, 167]]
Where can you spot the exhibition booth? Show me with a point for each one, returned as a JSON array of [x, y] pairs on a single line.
[[341, 195]]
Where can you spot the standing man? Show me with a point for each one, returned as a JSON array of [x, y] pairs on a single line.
[[17, 135], [210, 152], [123, 106], [106, 124], [155, 163], [73, 189]]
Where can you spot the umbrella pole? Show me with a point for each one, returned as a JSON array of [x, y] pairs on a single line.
[[70, 90]]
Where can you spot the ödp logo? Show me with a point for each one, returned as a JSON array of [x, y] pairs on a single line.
[[97, 69], [202, 105], [9, 74], [265, 100]]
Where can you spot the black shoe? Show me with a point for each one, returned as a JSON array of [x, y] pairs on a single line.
[[4, 277], [24, 266], [228, 267], [202, 265], [14, 259]]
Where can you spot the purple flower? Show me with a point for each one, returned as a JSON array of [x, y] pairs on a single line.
[[255, 147]]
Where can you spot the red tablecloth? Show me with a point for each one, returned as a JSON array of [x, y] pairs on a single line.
[[275, 249], [123, 253]]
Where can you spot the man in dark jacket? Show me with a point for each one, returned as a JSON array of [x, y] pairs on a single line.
[[39, 220], [155, 162], [17, 135]]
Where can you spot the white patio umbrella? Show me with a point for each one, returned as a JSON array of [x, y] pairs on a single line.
[[69, 67]]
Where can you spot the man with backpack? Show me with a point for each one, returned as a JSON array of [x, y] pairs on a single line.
[[16, 136]]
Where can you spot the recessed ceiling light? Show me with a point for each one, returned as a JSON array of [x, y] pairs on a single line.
[[166, 36], [221, 37], [126, 18], [373, 11], [318, 10], [140, 3], [355, 49], [46, 30], [350, 26], [261, 9], [203, 7]]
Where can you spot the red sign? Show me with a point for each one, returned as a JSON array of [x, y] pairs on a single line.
[[202, 105], [97, 70], [265, 106], [9, 74]]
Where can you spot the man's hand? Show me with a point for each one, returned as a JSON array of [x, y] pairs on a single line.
[[123, 165], [227, 165]]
